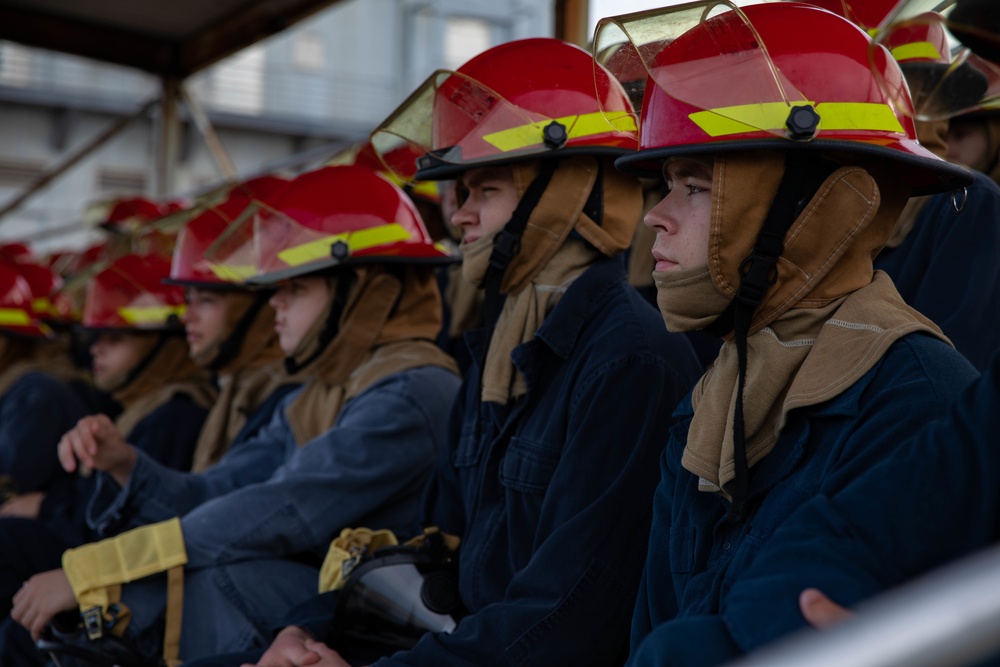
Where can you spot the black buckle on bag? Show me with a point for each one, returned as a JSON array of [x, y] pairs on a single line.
[[93, 622]]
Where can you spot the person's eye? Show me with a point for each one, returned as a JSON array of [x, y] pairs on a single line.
[[696, 186]]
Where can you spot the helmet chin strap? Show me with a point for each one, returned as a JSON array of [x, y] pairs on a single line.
[[803, 176], [145, 361], [231, 346], [507, 243], [332, 326]]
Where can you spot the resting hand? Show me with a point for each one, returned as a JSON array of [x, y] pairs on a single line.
[[95, 444], [328, 657], [820, 611], [23, 506], [40, 599], [289, 649]]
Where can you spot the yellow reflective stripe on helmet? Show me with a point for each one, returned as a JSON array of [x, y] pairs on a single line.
[[916, 51], [725, 121], [584, 125], [150, 314], [41, 305], [359, 240], [14, 317], [233, 273], [428, 189]]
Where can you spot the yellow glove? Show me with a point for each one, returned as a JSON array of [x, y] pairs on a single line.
[[97, 571], [346, 551]]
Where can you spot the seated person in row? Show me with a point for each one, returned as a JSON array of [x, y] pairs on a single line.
[[766, 237], [140, 358], [357, 304], [550, 466]]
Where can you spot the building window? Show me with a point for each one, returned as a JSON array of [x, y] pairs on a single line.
[[238, 82], [116, 182], [308, 50], [18, 175], [15, 64], [463, 39]]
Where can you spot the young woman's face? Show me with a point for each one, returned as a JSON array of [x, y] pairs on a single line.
[[115, 355], [680, 221], [297, 303], [204, 319]]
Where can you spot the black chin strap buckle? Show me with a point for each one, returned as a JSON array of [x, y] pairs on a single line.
[[758, 273], [505, 246]]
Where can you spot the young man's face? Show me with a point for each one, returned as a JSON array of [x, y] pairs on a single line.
[[204, 319], [490, 200], [680, 220], [115, 354], [967, 143], [297, 304]]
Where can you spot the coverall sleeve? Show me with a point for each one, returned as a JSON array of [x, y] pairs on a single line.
[[960, 287], [663, 604], [565, 606], [35, 413], [937, 498], [900, 503], [379, 452], [155, 492]]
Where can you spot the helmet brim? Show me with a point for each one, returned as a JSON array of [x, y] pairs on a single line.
[[273, 278], [441, 170], [926, 173]]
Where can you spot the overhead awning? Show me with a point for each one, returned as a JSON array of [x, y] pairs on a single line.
[[174, 38]]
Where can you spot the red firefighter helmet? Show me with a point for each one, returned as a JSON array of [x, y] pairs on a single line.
[[961, 81], [17, 315], [786, 76], [74, 270], [16, 251], [68, 263], [44, 284], [263, 188], [530, 98], [867, 14], [205, 255], [332, 217], [923, 52], [364, 155], [128, 213], [129, 294]]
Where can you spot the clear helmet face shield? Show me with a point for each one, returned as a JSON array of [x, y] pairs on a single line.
[[950, 51], [525, 99], [129, 293], [206, 251], [391, 600], [714, 76], [268, 244], [325, 219], [681, 48]]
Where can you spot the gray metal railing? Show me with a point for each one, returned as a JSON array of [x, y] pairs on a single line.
[[949, 617]]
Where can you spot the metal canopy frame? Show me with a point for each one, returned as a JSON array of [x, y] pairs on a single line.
[[169, 39], [172, 40]]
